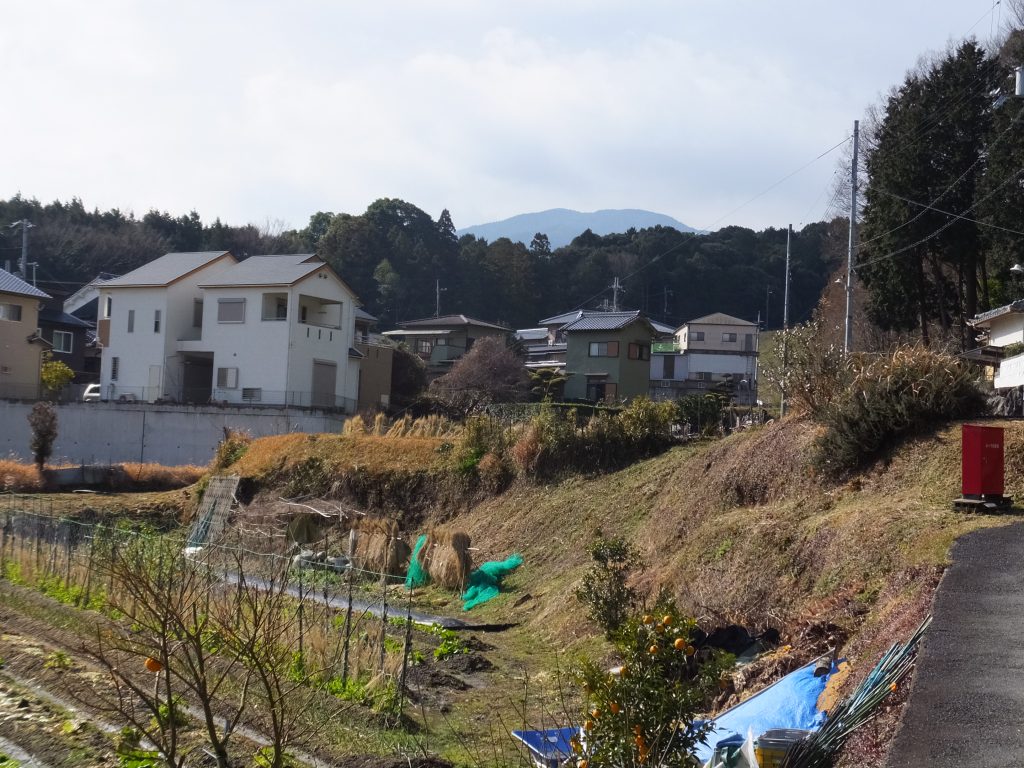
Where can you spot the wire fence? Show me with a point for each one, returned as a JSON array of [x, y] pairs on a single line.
[[352, 625]]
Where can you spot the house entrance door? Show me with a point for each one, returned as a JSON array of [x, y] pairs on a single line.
[[155, 383], [325, 376]]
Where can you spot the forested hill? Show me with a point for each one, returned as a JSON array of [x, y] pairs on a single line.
[[393, 254]]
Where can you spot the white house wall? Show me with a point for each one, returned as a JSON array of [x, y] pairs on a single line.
[[137, 351], [310, 342], [257, 348], [658, 367], [719, 365], [1006, 330]]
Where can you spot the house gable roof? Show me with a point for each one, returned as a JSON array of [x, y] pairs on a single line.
[[168, 269], [51, 316], [448, 321], [565, 317], [983, 319], [275, 270], [13, 284], [719, 318], [607, 321]]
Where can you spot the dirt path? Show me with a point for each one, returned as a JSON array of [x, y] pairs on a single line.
[[966, 706]]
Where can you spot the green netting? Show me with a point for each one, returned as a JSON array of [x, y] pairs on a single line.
[[416, 576], [485, 581]]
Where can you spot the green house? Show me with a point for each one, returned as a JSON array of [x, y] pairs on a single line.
[[608, 356]]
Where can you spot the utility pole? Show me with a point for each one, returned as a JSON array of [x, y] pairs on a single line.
[[25, 225], [437, 297], [785, 326], [664, 309], [848, 338], [616, 287]]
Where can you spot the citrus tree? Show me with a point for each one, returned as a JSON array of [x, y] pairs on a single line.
[[55, 375], [642, 713]]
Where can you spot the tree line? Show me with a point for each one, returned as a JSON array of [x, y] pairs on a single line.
[[942, 220], [396, 257]]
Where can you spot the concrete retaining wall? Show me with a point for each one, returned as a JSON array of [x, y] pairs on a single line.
[[107, 433]]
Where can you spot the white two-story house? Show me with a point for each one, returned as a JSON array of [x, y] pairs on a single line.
[[705, 353], [270, 330]]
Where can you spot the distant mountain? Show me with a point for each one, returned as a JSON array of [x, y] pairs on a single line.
[[561, 225]]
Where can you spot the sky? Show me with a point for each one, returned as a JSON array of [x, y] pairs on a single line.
[[266, 112]]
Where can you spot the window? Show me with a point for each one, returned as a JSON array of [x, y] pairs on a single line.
[[156, 321], [227, 378], [728, 337], [424, 346], [252, 394], [275, 306], [197, 313], [599, 389], [108, 305], [131, 321], [639, 352], [10, 312], [702, 375], [115, 366], [604, 349], [697, 336], [230, 310], [62, 341]]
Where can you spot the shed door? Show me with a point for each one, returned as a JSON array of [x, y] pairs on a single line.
[[324, 377]]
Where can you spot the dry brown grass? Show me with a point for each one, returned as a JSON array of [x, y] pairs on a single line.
[[269, 456], [160, 477], [445, 556], [18, 477], [380, 547]]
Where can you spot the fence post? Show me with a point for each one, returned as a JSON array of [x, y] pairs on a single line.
[[405, 655], [88, 567], [384, 612], [302, 603], [348, 607]]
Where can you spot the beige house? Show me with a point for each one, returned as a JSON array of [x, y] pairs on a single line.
[[21, 347], [375, 365]]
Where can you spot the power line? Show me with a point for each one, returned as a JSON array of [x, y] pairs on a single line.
[[1012, 177], [947, 213]]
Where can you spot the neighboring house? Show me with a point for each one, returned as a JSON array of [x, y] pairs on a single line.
[[21, 348], [706, 353], [84, 305], [375, 367], [608, 356], [440, 341], [68, 337], [1001, 330], [199, 327]]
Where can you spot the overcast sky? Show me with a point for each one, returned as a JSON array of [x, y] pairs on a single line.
[[270, 111]]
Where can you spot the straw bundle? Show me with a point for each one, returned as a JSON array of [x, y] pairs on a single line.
[[379, 548], [445, 556]]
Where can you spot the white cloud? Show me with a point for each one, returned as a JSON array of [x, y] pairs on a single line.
[[255, 110]]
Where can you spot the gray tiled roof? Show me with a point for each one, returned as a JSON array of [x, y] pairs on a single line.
[[605, 321], [362, 314], [13, 284], [1017, 306], [165, 270], [447, 321], [286, 269], [565, 317]]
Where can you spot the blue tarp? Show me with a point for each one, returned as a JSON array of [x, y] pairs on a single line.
[[792, 702], [549, 747]]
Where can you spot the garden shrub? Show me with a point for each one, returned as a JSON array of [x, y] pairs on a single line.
[[889, 397], [230, 449]]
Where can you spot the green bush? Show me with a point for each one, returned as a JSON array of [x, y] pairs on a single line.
[[605, 591], [230, 449], [890, 397]]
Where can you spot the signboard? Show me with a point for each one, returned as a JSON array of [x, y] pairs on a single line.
[[1011, 373]]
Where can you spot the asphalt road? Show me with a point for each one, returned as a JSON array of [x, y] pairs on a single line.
[[966, 707]]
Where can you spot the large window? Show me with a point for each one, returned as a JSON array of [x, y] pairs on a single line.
[[639, 352], [696, 335], [227, 378], [230, 310], [131, 321], [62, 341], [10, 312], [604, 349], [728, 337], [275, 306]]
